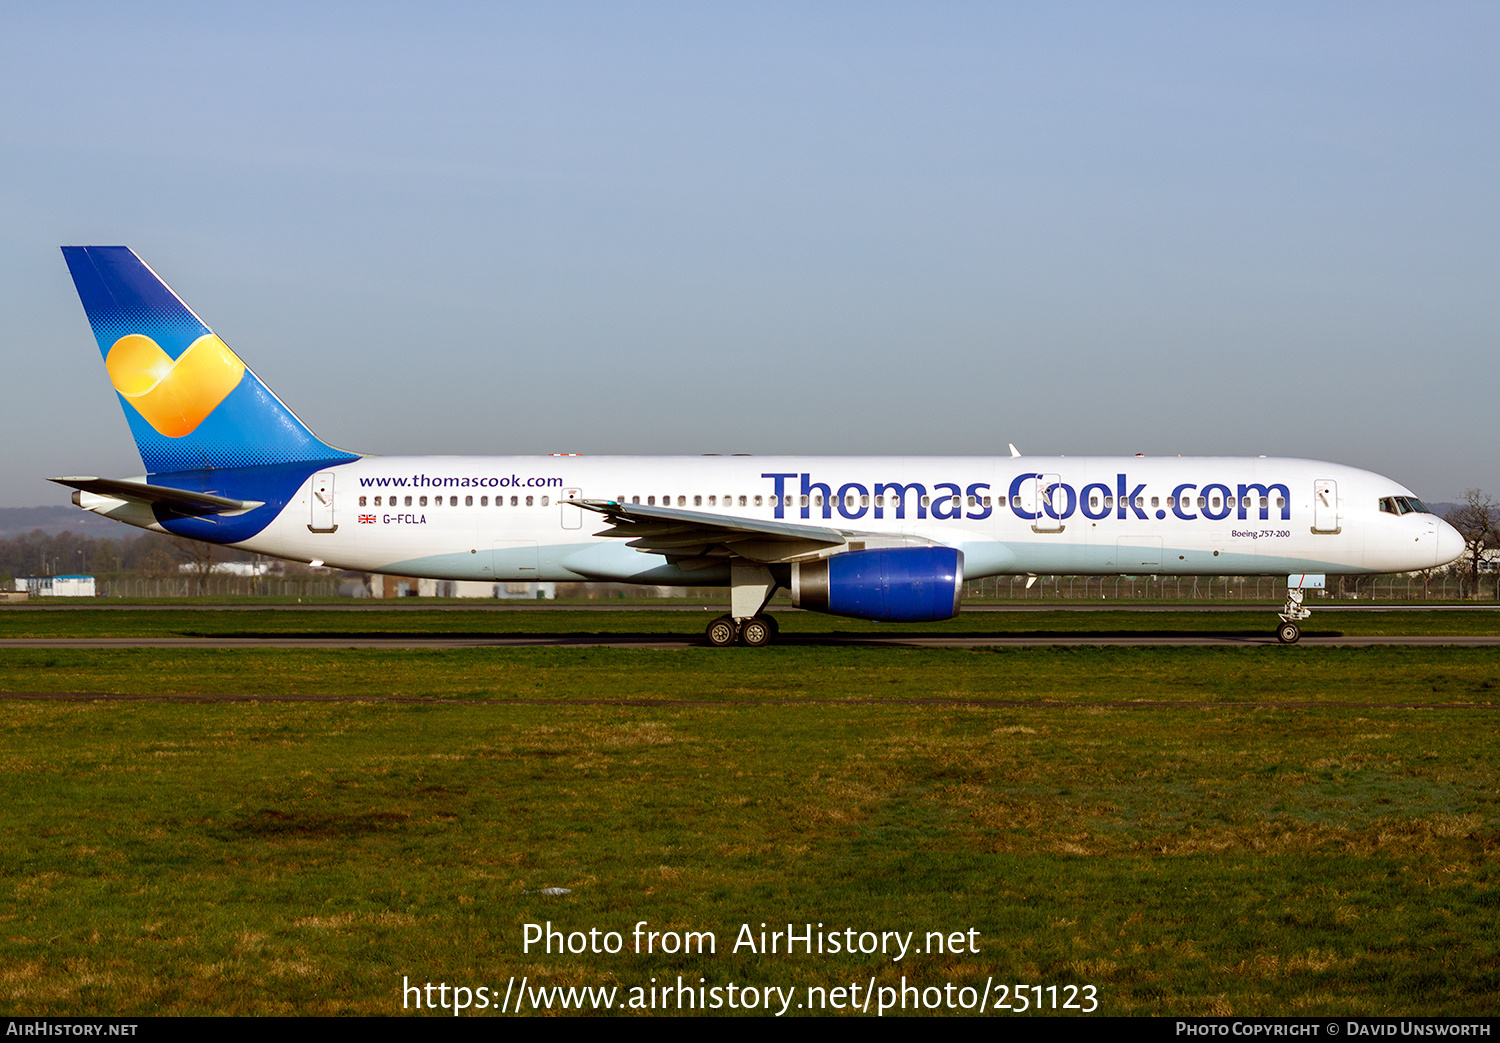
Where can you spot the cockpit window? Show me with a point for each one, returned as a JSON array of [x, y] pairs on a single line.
[[1403, 505]]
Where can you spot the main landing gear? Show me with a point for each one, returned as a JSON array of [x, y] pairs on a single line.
[[755, 632], [750, 590], [1292, 613]]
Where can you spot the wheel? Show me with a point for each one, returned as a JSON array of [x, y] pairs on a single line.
[[1288, 633], [722, 632], [756, 632]]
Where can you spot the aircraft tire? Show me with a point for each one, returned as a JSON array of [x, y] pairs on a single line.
[[1288, 633], [756, 632], [721, 632]]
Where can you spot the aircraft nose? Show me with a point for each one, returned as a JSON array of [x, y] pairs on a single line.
[[1450, 543]]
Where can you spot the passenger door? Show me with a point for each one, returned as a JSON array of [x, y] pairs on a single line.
[[321, 517], [1325, 506]]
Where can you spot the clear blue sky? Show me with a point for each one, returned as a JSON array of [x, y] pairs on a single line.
[[806, 228]]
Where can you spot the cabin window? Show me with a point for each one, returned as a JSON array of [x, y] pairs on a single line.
[[1263, 504], [1156, 501], [1140, 501], [1109, 501], [757, 501], [1203, 501], [544, 501], [453, 501], [362, 502], [408, 501], [864, 501], [682, 501], [468, 501], [1171, 501], [528, 501], [713, 501], [697, 501], [1093, 503], [515, 500], [742, 501], [817, 501], [484, 501], [635, 499], [422, 501], [986, 501], [927, 501], [880, 503], [1229, 502], [650, 501]]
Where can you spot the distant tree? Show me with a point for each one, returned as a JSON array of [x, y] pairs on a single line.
[[105, 559], [200, 558], [157, 563], [1477, 520]]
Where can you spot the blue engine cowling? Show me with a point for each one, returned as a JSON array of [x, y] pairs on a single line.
[[895, 585]]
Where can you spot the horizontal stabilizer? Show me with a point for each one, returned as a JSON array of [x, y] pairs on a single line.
[[178, 500]]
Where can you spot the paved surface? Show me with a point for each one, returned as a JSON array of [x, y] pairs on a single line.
[[669, 641]]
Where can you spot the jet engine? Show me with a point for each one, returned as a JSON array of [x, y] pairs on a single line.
[[892, 585]]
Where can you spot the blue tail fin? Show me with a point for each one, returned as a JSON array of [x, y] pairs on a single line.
[[191, 403]]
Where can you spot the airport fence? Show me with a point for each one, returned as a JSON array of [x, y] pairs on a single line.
[[221, 586]]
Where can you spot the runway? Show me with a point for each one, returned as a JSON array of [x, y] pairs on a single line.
[[687, 641]]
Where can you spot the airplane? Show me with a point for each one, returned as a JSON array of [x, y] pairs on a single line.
[[888, 538]]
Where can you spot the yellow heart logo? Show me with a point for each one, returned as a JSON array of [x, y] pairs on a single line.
[[173, 397]]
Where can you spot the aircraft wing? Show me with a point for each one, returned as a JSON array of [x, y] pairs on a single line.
[[180, 500], [696, 540]]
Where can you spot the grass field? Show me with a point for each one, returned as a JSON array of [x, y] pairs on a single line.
[[1187, 830]]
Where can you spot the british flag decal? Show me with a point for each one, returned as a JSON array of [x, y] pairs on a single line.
[[367, 519]]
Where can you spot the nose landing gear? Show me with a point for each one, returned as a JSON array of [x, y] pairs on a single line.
[[1292, 613]]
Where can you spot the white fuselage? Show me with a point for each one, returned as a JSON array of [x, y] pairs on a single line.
[[508, 518]]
